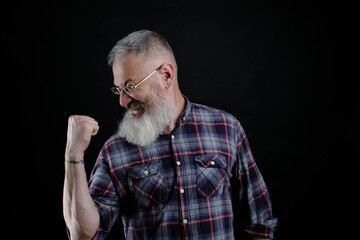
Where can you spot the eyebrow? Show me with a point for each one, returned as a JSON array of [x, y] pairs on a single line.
[[125, 83]]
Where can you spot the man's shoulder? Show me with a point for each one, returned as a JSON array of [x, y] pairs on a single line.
[[114, 141], [205, 112], [117, 147]]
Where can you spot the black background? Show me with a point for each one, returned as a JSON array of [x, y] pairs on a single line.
[[269, 63]]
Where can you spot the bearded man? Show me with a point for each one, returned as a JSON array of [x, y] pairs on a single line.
[[172, 169]]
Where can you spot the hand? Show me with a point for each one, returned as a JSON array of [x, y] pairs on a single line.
[[80, 131]]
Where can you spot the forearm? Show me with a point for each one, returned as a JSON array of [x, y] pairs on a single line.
[[80, 213]]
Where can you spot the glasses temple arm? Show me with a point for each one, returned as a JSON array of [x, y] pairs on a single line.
[[148, 76]]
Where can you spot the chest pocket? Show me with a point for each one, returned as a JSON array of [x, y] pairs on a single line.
[[211, 175], [148, 183]]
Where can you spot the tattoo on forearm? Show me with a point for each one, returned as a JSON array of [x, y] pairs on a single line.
[[75, 162]]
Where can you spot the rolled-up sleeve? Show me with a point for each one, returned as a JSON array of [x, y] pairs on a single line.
[[103, 192], [252, 189]]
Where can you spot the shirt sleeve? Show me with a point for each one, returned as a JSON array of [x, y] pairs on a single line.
[[103, 192], [252, 189]]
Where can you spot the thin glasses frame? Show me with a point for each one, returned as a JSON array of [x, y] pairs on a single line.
[[129, 90]]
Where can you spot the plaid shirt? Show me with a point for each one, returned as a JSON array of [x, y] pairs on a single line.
[[180, 186]]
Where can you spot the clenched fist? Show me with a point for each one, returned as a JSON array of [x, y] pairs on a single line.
[[80, 130]]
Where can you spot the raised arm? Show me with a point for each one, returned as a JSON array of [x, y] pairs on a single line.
[[80, 213]]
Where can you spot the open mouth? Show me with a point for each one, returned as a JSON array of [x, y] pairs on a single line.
[[137, 112], [136, 107]]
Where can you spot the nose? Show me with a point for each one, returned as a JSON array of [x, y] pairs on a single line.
[[124, 99]]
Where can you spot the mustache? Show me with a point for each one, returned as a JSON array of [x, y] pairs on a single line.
[[135, 104]]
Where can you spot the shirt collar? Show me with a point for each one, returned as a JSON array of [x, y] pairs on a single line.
[[186, 113]]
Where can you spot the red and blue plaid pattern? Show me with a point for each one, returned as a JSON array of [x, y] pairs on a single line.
[[179, 187]]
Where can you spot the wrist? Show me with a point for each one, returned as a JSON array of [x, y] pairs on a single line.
[[74, 156]]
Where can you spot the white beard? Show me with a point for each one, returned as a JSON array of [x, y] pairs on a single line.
[[157, 115]]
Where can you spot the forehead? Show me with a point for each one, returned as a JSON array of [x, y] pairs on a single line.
[[127, 70]]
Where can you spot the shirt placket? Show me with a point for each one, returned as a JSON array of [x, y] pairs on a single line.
[[181, 186]]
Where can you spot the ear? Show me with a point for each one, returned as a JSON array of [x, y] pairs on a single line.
[[167, 72]]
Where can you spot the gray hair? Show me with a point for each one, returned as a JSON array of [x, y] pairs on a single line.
[[141, 42]]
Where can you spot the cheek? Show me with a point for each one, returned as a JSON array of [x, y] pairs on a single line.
[[141, 97], [149, 93]]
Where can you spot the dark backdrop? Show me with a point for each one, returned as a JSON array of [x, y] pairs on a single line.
[[269, 63]]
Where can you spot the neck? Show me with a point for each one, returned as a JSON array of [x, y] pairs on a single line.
[[180, 106]]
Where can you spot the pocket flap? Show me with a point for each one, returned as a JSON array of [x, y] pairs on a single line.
[[144, 171], [211, 161]]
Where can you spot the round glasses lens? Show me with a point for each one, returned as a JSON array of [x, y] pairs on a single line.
[[129, 90], [115, 90]]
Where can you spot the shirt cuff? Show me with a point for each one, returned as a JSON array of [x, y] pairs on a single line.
[[264, 230]]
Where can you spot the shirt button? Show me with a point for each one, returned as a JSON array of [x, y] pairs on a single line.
[[185, 221], [212, 163], [172, 136], [178, 163], [146, 172], [182, 190]]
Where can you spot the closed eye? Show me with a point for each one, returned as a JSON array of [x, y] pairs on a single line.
[[125, 83]]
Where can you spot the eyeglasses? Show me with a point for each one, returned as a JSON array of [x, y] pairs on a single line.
[[129, 90]]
